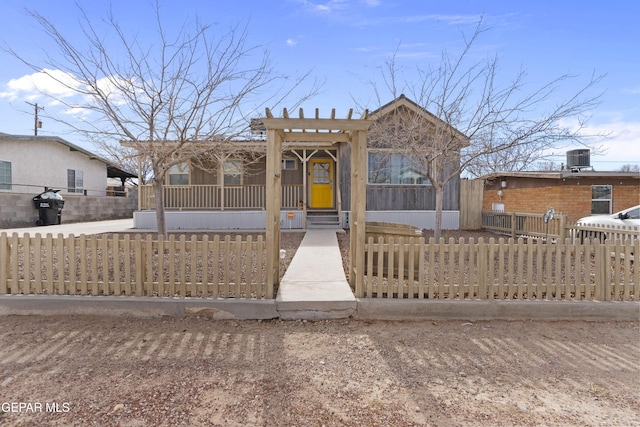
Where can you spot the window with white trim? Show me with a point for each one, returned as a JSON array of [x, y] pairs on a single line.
[[232, 171], [5, 175], [179, 174], [395, 168], [289, 164], [75, 183], [601, 199]]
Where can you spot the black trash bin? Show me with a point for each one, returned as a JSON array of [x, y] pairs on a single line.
[[49, 205]]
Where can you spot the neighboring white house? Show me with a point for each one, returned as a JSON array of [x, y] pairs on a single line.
[[30, 163]]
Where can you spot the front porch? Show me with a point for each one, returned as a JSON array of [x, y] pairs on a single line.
[[219, 207], [310, 194]]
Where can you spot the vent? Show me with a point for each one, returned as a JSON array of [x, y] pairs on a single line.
[[578, 159]]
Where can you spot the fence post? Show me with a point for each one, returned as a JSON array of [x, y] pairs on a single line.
[[513, 225], [14, 262], [139, 263], [602, 273], [481, 270], [4, 262], [607, 273], [563, 225]]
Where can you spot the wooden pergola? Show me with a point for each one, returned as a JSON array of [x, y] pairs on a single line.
[[299, 130]]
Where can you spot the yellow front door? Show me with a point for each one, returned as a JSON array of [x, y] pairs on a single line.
[[321, 184]]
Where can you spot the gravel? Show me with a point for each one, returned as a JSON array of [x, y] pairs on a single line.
[[109, 371]]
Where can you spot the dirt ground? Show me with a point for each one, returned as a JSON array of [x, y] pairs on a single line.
[[107, 371]]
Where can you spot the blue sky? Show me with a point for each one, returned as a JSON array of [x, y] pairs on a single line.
[[345, 42]]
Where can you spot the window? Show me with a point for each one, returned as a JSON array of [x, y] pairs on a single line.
[[5, 175], [601, 199], [232, 170], [393, 168], [74, 181], [289, 164], [322, 172], [179, 174], [633, 214]]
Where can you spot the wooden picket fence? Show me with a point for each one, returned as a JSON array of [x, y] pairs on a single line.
[[501, 270], [200, 267], [121, 265]]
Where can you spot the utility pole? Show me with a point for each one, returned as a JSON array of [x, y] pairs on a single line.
[[37, 123]]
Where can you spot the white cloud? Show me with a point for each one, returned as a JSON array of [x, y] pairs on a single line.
[[54, 83], [113, 87], [447, 19], [291, 42], [63, 92], [622, 146], [326, 7], [619, 146]]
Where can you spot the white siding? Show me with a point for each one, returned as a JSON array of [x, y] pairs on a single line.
[[421, 219], [214, 220]]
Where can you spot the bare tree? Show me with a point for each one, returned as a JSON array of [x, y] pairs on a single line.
[[477, 121], [547, 166], [630, 168], [176, 98]]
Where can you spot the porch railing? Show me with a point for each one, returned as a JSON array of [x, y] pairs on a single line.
[[531, 225], [218, 197]]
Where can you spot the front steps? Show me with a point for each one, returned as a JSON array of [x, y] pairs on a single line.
[[323, 219]]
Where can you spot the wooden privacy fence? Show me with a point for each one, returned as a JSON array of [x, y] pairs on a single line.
[[500, 270], [120, 265]]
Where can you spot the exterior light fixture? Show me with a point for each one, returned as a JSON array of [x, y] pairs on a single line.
[[503, 184]]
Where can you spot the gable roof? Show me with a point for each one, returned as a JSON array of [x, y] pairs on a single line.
[[113, 170], [403, 101]]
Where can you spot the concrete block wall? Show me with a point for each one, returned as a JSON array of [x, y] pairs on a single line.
[[18, 210]]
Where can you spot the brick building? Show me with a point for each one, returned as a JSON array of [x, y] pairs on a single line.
[[576, 193]]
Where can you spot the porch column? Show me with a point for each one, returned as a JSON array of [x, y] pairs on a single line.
[[274, 196], [358, 210], [305, 197], [221, 159], [139, 182]]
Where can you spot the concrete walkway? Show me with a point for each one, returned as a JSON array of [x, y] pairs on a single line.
[[314, 285]]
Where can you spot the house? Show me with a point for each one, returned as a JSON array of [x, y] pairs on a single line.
[[29, 164], [577, 192], [315, 179]]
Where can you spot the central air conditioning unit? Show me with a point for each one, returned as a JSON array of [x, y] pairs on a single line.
[[578, 159]]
